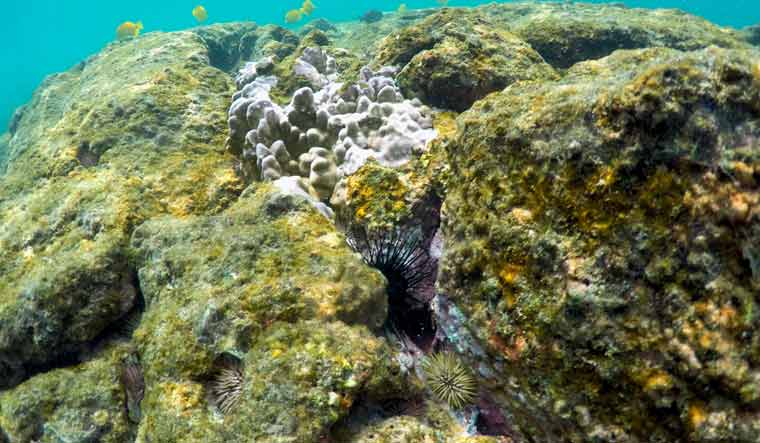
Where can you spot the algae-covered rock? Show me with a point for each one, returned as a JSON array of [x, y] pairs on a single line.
[[232, 44], [453, 58], [752, 34], [565, 33], [400, 429], [4, 151], [134, 131], [601, 235], [270, 282], [83, 404]]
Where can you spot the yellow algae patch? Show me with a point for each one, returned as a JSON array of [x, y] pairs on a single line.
[[655, 380], [182, 397], [445, 124], [100, 417], [325, 295], [181, 206], [522, 215], [510, 273], [331, 240], [697, 415]]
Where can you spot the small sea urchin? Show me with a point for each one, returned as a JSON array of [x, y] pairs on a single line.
[[449, 379], [133, 384], [227, 384]]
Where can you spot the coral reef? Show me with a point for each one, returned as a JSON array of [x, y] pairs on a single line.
[[574, 258], [566, 33], [326, 135]]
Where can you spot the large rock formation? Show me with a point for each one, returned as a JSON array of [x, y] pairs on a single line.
[[453, 58], [567, 33], [135, 131], [602, 236], [271, 283], [85, 403]]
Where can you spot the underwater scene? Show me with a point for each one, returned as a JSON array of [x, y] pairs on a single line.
[[431, 221]]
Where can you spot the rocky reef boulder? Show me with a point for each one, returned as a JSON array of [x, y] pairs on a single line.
[[565, 33], [602, 235], [272, 285], [453, 58], [752, 34], [132, 132], [71, 404]]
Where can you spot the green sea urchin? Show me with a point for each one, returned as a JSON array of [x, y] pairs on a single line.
[[449, 379], [227, 384]]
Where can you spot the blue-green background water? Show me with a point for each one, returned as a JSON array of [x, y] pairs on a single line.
[[45, 36]]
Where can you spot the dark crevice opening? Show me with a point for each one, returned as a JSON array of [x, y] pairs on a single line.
[[491, 421]]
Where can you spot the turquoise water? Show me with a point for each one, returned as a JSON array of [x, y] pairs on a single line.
[[49, 36]]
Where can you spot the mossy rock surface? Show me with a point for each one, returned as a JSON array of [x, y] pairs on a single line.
[[454, 57], [133, 132], [601, 235], [752, 34], [270, 281], [563, 33], [567, 33], [82, 403]]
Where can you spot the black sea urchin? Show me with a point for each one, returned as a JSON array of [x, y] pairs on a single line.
[[401, 256], [449, 379], [227, 383]]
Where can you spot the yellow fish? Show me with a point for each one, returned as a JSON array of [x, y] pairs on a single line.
[[200, 14], [128, 30], [402, 8], [293, 16], [307, 8]]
